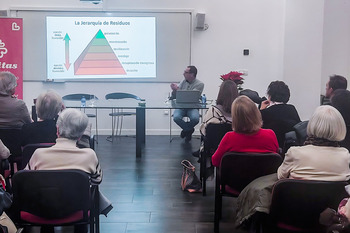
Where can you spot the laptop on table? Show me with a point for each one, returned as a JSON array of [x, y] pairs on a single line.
[[187, 96]]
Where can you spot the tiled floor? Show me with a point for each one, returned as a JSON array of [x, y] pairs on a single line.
[[146, 192]]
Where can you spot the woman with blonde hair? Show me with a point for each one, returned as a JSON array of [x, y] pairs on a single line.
[[247, 134]]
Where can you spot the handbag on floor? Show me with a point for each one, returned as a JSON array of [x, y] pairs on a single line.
[[189, 181]]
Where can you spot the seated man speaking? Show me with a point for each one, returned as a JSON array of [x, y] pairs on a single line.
[[189, 83]]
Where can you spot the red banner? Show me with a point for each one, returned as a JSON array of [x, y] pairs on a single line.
[[11, 49]]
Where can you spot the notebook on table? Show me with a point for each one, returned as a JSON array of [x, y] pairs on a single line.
[[187, 96]]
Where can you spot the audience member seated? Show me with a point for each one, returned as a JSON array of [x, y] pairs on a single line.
[[321, 159], [71, 125], [276, 113], [341, 101], [334, 83], [13, 112], [48, 105], [247, 134], [218, 114], [221, 112]]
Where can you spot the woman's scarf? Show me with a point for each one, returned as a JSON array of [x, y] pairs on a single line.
[[311, 140]]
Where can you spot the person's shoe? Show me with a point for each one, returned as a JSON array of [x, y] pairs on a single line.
[[189, 135], [183, 134], [196, 154]]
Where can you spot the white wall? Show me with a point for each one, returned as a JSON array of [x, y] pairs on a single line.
[[303, 53], [288, 40], [336, 40]]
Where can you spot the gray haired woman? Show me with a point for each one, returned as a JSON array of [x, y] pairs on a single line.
[[13, 112], [48, 105]]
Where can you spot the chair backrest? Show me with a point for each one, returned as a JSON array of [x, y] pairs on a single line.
[[214, 134], [301, 132], [43, 196], [296, 137], [92, 141], [77, 97], [28, 150], [121, 95], [11, 137], [237, 170], [297, 204]]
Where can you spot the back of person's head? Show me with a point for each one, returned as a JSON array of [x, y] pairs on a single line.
[[327, 123], [8, 83], [246, 117], [193, 70], [278, 91], [48, 105], [341, 101], [227, 94], [71, 123], [337, 82], [253, 95]]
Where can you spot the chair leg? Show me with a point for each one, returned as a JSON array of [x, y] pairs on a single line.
[[218, 203], [113, 123], [47, 229], [170, 119], [96, 138], [121, 125], [203, 174], [118, 124]]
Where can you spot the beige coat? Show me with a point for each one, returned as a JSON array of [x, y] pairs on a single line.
[[65, 155], [316, 163]]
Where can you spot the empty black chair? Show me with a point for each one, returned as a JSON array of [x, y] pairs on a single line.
[[54, 198], [236, 171], [117, 114], [296, 204], [211, 141]]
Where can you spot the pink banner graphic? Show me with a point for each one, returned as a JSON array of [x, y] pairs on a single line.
[[11, 49]]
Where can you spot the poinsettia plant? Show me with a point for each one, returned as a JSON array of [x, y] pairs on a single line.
[[234, 76]]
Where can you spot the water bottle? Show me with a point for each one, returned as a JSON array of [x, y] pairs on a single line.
[[204, 99], [83, 102]]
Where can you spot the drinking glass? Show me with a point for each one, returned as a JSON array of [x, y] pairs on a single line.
[[92, 100]]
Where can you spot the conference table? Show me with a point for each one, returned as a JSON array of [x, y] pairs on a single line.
[[140, 107]]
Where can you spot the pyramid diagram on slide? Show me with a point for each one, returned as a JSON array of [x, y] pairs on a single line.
[[98, 58]]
